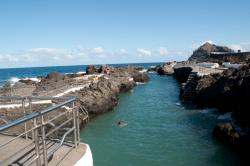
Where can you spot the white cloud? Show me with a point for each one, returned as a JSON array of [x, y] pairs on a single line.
[[91, 52], [80, 55], [143, 52], [162, 51], [8, 58], [236, 47], [98, 50], [48, 51], [244, 46], [208, 41], [123, 50], [29, 58]]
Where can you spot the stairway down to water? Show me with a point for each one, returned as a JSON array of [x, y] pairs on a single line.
[[189, 88]]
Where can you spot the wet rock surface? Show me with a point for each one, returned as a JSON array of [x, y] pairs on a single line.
[[232, 135], [225, 132]]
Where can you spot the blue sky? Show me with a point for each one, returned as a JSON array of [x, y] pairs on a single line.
[[72, 32]]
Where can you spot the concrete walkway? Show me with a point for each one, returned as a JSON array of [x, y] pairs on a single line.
[[27, 152]]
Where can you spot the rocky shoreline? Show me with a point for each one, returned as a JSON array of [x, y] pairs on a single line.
[[99, 88], [228, 91], [102, 96]]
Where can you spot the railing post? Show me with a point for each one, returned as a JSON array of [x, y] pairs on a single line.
[[74, 123], [36, 142], [45, 156], [78, 125], [25, 124], [30, 110]]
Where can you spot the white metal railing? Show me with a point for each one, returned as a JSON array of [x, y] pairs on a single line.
[[39, 130]]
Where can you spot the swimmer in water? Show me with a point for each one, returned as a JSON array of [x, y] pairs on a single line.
[[121, 124]]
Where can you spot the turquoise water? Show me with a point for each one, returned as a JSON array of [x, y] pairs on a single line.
[[159, 132]]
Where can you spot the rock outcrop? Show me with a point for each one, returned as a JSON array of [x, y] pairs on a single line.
[[202, 54], [90, 69], [55, 76], [28, 82], [225, 132], [165, 69], [233, 136], [229, 91], [102, 96]]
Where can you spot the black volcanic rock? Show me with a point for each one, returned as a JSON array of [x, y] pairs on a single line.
[[228, 91], [28, 82], [55, 76], [202, 54], [182, 73], [91, 69], [226, 133]]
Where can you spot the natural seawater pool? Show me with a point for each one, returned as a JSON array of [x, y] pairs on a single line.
[[159, 131]]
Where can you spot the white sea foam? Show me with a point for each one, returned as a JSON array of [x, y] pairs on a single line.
[[226, 116], [208, 110], [140, 83], [130, 79], [33, 79], [178, 104], [143, 71], [14, 80], [81, 72]]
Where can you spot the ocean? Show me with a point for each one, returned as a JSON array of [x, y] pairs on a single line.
[[160, 131]]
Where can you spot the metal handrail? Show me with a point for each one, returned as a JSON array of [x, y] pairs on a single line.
[[34, 117]]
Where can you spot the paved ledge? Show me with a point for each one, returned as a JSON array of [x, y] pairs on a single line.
[[75, 157]]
